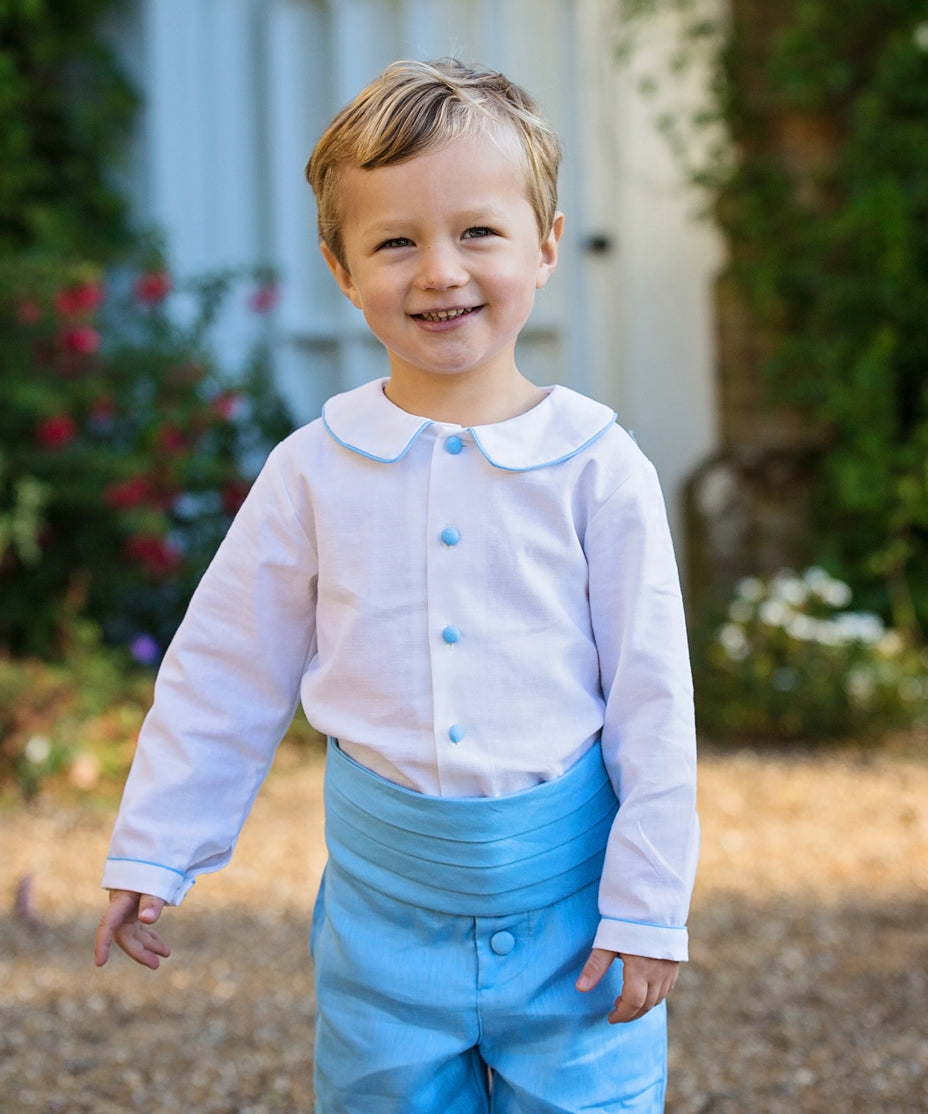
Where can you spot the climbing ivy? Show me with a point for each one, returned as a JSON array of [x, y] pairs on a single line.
[[821, 191]]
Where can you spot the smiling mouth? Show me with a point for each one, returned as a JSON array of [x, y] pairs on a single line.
[[444, 314]]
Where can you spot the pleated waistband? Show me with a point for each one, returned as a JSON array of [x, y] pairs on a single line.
[[473, 856]]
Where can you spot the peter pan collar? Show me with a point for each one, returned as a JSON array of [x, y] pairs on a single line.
[[562, 425]]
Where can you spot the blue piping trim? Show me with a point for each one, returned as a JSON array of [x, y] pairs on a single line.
[[546, 463], [647, 924], [146, 862], [371, 456]]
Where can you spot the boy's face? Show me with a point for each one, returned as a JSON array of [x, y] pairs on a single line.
[[442, 255]]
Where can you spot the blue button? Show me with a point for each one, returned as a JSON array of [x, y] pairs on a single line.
[[451, 635], [502, 942], [454, 445], [450, 536], [455, 732]]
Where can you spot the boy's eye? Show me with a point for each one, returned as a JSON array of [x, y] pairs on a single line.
[[395, 242], [478, 233]]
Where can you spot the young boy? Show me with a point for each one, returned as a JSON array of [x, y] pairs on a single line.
[[469, 581]]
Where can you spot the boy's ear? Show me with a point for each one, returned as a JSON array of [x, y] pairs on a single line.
[[341, 274], [549, 245]]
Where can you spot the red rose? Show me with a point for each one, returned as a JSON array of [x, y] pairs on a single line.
[[56, 432], [157, 556], [226, 405], [171, 440], [82, 340], [153, 287], [82, 298], [128, 493]]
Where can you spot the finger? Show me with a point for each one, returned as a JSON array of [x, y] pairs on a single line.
[[637, 997], [150, 908], [102, 943], [122, 906], [142, 945], [595, 967]]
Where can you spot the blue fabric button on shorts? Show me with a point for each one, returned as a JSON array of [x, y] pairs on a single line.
[[502, 942]]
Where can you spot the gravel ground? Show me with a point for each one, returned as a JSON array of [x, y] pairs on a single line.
[[806, 993]]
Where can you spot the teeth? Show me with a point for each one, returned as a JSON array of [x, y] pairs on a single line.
[[443, 315]]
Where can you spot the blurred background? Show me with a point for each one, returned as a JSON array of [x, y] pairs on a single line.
[[744, 278]]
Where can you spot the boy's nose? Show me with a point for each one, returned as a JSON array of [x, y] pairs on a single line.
[[440, 269]]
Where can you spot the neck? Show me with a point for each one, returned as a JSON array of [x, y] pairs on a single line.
[[461, 400]]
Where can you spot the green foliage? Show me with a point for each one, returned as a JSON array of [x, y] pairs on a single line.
[[65, 113], [126, 450], [69, 726], [75, 719], [789, 661], [822, 194]]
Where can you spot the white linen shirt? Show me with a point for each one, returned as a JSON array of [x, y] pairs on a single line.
[[466, 610]]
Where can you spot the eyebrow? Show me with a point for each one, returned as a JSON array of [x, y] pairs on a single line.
[[470, 217]]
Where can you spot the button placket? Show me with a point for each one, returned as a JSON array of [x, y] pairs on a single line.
[[446, 577]]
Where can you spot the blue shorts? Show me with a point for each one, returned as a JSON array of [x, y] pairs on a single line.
[[447, 938]]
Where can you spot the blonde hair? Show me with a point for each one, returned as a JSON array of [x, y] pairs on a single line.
[[416, 107]]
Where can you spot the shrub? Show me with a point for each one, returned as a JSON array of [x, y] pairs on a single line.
[[69, 726], [125, 449], [790, 661], [821, 191], [66, 111], [73, 721]]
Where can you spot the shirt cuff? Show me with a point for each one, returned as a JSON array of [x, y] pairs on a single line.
[[632, 938], [146, 878]]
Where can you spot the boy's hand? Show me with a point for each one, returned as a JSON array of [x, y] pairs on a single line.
[[646, 982], [128, 921]]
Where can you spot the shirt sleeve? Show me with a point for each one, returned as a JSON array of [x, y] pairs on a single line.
[[226, 693], [649, 739]]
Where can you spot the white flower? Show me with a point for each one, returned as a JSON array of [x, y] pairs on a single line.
[[815, 577], [803, 628], [860, 684], [775, 613], [37, 749], [920, 37], [790, 589], [835, 593], [741, 611], [860, 626], [734, 642], [750, 588], [827, 633]]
